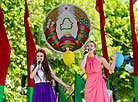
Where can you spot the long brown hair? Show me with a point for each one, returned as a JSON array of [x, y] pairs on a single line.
[[45, 66], [94, 46]]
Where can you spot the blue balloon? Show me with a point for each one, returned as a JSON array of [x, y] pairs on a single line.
[[119, 60]]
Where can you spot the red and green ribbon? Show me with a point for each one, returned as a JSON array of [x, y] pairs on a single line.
[[1, 93], [136, 88], [29, 94], [5, 51]]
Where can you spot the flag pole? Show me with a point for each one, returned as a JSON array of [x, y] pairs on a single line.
[[5, 51], [134, 48], [30, 45]]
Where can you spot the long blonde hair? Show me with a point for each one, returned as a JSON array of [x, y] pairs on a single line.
[[94, 46]]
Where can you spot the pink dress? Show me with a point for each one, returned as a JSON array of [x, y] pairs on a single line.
[[95, 88]]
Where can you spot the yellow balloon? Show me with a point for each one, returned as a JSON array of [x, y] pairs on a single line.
[[68, 57]]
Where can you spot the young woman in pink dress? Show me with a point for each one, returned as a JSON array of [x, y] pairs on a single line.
[[95, 88]]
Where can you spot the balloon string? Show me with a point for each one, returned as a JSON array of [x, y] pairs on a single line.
[[117, 82], [65, 72], [65, 75]]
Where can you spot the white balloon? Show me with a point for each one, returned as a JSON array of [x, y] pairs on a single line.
[[129, 68]]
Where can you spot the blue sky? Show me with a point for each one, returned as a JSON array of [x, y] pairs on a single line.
[[136, 4]]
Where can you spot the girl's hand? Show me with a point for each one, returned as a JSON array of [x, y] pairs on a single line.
[[86, 54], [68, 88], [114, 55], [39, 63]]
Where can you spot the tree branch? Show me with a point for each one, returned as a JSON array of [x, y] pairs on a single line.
[[113, 37]]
